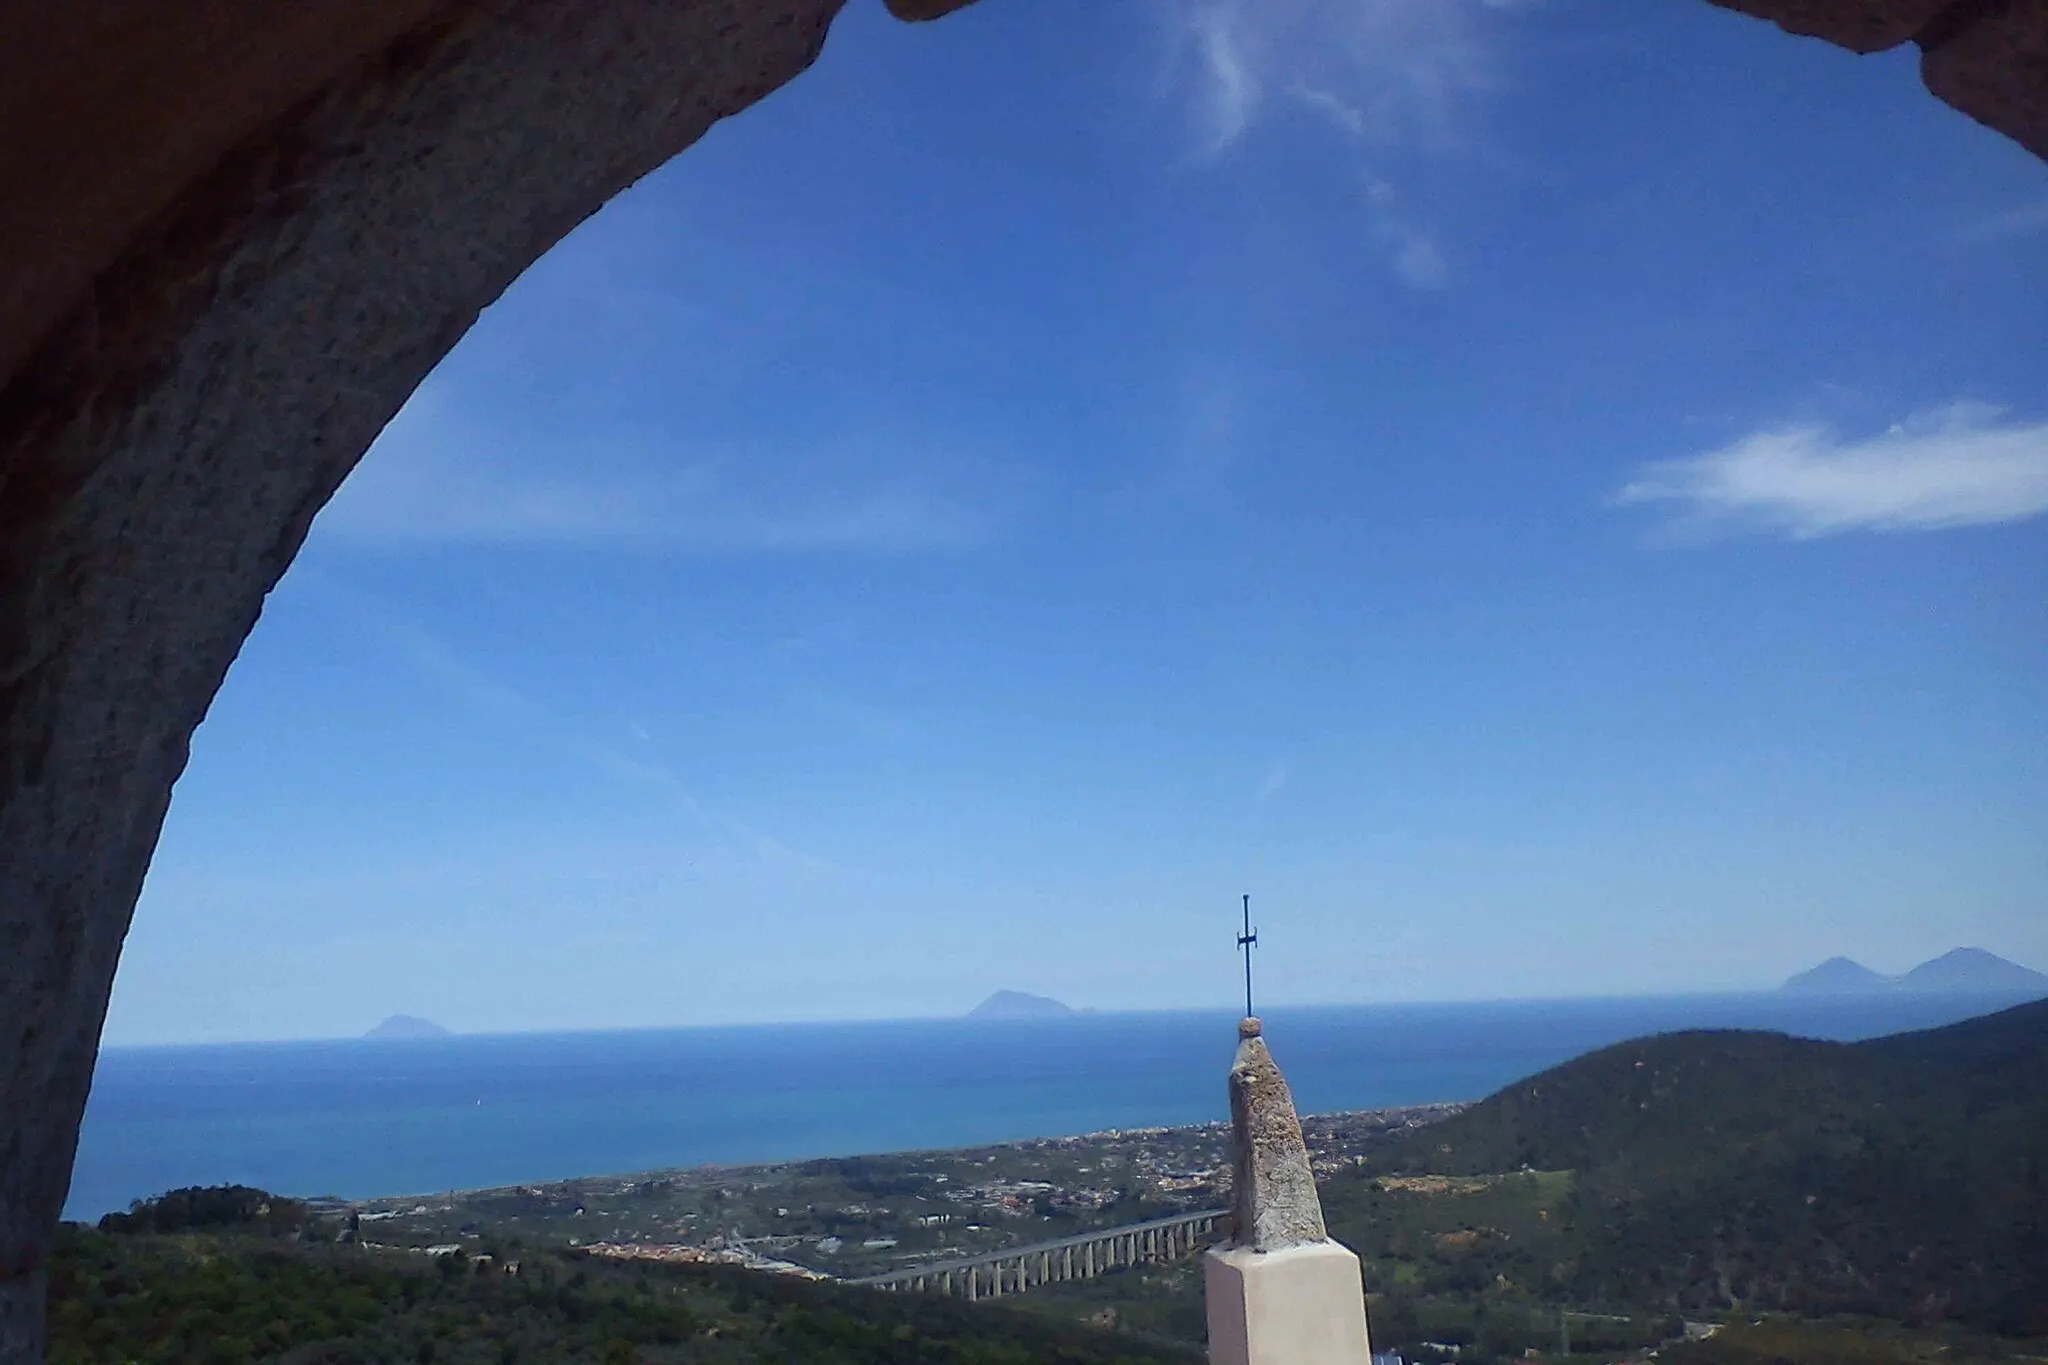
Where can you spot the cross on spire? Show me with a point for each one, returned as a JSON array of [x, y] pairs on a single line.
[[1247, 941]]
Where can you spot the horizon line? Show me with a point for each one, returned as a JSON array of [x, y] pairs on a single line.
[[1092, 1012]]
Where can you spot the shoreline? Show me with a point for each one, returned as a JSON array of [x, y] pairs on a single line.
[[870, 1214], [1386, 1118]]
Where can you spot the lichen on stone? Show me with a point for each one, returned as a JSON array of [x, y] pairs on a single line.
[[1274, 1201]]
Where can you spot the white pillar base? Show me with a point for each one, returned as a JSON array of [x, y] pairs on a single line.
[[1303, 1305]]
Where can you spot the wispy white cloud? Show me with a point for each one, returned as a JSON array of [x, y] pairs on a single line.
[[1230, 87], [433, 477], [1347, 118], [2023, 221], [1207, 446], [1269, 787], [1394, 78], [527, 721], [835, 634], [1207, 415], [1387, 72], [1961, 466], [1411, 249], [501, 706]]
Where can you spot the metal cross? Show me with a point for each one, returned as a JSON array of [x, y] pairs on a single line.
[[1247, 941]]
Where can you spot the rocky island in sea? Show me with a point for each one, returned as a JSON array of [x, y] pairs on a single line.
[[1019, 1005], [1961, 971], [406, 1027]]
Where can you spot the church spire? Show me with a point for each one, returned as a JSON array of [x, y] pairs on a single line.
[[1275, 1203], [1279, 1292]]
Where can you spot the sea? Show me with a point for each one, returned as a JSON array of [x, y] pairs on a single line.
[[358, 1118]]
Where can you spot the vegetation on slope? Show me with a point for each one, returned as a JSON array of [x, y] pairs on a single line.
[[1845, 1342], [1701, 1174], [229, 1296], [199, 1208], [1903, 1177]]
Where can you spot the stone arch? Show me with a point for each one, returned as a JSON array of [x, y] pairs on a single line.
[[234, 237]]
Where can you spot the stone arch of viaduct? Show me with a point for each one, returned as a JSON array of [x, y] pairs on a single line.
[[234, 236]]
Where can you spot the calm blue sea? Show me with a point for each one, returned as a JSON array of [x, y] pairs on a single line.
[[360, 1118]]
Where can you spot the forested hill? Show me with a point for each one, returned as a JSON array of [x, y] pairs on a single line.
[[257, 1291], [1906, 1176]]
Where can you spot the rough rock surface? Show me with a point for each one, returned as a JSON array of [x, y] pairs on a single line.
[[1995, 69], [1274, 1203], [1859, 25], [111, 110], [1987, 58], [925, 9], [166, 448], [234, 235]]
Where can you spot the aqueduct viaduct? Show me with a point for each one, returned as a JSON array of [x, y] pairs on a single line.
[[234, 236], [1081, 1257]]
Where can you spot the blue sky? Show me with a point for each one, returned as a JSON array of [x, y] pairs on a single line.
[[1545, 496]]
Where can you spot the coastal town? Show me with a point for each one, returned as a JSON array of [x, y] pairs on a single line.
[[860, 1216]]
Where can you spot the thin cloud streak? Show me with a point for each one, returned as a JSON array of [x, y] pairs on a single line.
[[1413, 252], [432, 479], [1392, 77], [524, 720], [1232, 92], [696, 508], [1387, 72], [1960, 466], [2025, 221]]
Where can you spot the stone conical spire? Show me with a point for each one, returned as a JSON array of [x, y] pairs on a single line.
[[1280, 1292], [1275, 1202]]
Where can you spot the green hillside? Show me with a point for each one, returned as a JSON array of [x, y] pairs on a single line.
[[1904, 1177], [267, 1290]]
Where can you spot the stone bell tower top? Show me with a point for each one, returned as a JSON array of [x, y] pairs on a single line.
[[1279, 1292], [1274, 1200]]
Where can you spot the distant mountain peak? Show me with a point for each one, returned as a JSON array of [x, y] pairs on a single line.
[[1018, 1005], [1973, 969], [1961, 971], [1837, 974], [408, 1026]]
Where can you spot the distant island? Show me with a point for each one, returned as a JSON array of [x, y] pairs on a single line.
[[408, 1026], [1668, 1181], [1965, 971], [1018, 1005]]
